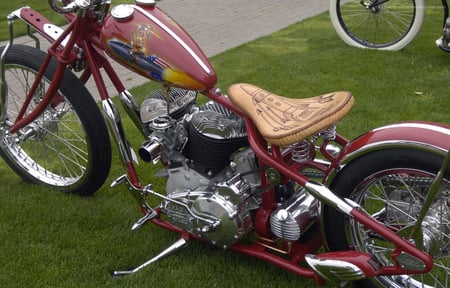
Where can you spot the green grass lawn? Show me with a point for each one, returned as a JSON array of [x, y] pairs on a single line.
[[54, 240], [41, 6]]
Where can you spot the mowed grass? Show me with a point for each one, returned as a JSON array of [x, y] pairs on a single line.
[[50, 239], [6, 7]]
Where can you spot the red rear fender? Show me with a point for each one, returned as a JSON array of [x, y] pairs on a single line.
[[427, 136]]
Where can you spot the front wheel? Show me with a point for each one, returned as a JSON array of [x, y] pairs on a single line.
[[391, 185], [377, 24], [67, 147]]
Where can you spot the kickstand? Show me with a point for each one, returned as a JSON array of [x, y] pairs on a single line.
[[180, 243]]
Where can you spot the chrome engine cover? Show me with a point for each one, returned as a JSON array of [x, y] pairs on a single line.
[[218, 208], [217, 212]]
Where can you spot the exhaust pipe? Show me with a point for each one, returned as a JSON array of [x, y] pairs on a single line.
[[151, 151]]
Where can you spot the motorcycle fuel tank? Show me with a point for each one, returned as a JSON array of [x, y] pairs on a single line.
[[146, 40]]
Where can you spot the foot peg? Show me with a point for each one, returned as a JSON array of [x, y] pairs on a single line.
[[180, 243], [147, 217]]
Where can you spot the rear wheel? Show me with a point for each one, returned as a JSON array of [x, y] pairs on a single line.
[[391, 185], [377, 24], [66, 147]]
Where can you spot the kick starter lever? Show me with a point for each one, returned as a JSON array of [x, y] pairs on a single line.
[[172, 248]]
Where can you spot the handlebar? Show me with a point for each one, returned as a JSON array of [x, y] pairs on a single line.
[[70, 7]]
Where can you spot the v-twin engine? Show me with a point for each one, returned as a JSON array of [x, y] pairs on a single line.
[[213, 181]]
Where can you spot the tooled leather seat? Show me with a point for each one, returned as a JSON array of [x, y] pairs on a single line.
[[284, 121]]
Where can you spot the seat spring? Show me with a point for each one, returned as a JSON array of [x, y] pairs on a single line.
[[301, 151], [329, 133]]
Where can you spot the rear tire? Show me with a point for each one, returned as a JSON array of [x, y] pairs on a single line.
[[67, 147], [388, 26], [391, 186]]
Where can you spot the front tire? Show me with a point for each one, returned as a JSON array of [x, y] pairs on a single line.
[[391, 185], [67, 147], [391, 25]]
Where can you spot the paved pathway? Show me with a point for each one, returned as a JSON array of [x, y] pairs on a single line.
[[218, 25]]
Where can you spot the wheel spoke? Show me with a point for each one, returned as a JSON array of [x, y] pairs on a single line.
[[395, 198], [379, 25], [56, 148]]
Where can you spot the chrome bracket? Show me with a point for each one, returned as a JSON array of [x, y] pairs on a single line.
[[139, 195]]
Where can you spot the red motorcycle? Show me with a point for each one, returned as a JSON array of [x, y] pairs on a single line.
[[251, 171]]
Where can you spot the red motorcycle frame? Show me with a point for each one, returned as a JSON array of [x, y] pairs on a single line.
[[89, 35]]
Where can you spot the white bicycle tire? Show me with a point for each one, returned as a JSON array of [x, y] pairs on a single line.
[[400, 43]]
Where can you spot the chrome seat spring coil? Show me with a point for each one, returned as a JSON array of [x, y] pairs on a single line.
[[329, 133], [301, 151]]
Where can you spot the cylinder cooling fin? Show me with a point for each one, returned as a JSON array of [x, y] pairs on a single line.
[[215, 134]]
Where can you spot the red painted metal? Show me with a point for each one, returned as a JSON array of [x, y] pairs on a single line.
[[36, 20], [293, 266], [64, 57], [402, 246], [155, 46], [430, 134], [271, 160]]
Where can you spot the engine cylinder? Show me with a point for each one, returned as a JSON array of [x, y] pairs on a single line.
[[213, 136]]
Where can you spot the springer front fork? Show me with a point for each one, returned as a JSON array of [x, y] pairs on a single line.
[[3, 85], [115, 126], [58, 36]]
